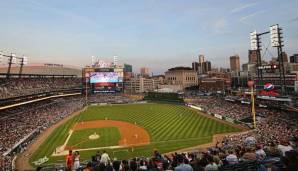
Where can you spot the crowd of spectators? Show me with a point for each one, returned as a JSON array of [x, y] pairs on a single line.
[[248, 155], [272, 125], [17, 123], [112, 98], [222, 107], [15, 87]]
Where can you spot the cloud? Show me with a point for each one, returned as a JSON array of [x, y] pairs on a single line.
[[242, 19], [293, 20], [243, 7], [221, 27], [221, 23]]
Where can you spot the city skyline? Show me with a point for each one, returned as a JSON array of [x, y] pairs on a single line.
[[154, 34]]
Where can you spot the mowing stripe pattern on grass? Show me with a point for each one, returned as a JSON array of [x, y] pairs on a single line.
[[171, 127]]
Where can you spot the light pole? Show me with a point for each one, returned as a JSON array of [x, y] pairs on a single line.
[[253, 108], [276, 41], [12, 59], [87, 76], [24, 61]]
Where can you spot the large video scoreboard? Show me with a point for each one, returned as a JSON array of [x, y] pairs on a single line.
[[104, 80]]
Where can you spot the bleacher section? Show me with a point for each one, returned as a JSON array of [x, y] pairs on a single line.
[[163, 97]]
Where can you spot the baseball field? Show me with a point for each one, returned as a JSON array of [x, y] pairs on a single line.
[[129, 130]]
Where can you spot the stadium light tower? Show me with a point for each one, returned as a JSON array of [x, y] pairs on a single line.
[[276, 41], [24, 61], [1, 56], [12, 59], [115, 61], [92, 60]]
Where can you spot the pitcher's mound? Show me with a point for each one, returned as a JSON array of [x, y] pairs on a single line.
[[94, 136]]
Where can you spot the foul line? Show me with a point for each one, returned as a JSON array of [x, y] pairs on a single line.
[[62, 153]]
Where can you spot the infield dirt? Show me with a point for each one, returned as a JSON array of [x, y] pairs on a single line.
[[130, 134]]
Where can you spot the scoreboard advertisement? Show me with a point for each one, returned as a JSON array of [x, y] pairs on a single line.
[[106, 80], [104, 77]]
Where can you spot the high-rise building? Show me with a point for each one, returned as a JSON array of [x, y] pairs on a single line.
[[145, 72], [195, 66], [206, 67], [235, 63], [252, 56], [294, 58], [127, 68], [284, 57], [203, 67], [201, 59]]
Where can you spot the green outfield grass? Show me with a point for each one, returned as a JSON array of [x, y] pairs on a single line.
[[108, 136], [171, 127]]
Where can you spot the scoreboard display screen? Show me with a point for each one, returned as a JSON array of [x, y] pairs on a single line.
[[105, 80], [104, 77]]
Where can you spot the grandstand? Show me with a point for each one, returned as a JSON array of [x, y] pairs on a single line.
[[166, 97], [45, 69]]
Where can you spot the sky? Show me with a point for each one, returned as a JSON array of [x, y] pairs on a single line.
[[157, 34]]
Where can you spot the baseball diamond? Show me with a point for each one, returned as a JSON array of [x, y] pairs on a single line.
[[134, 129]]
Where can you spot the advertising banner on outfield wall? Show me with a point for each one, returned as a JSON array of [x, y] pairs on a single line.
[[218, 116], [229, 119], [195, 107]]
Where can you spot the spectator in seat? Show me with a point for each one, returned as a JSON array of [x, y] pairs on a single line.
[[143, 165], [105, 159], [116, 165], [260, 153], [98, 156], [133, 165], [232, 158], [283, 147], [76, 163], [211, 166], [69, 161], [249, 155], [290, 161], [181, 164], [88, 167]]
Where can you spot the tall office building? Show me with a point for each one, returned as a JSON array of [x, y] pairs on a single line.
[[252, 56], [206, 67], [145, 72], [284, 57], [127, 68], [201, 59], [203, 66], [235, 63], [195, 66], [294, 58]]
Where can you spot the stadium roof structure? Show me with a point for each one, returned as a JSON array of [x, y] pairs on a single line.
[[45, 69]]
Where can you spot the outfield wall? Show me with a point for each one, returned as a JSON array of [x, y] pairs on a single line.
[[215, 115]]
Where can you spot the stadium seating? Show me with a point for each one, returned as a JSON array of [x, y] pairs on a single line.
[[15, 87]]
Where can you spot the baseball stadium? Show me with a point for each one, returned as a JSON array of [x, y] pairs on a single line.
[[148, 85], [92, 118]]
